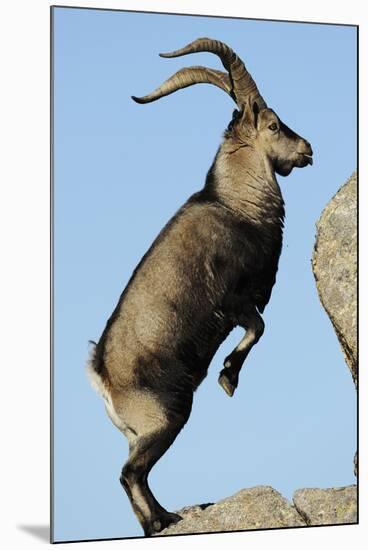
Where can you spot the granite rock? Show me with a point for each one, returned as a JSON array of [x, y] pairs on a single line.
[[263, 507], [327, 506], [335, 267], [259, 507]]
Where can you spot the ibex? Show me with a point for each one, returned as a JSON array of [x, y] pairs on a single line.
[[210, 269]]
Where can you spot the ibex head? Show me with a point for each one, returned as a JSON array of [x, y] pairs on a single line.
[[263, 130], [254, 124]]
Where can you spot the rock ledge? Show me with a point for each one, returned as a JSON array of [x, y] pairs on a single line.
[[263, 507]]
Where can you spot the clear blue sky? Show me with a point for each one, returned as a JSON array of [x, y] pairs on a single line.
[[121, 171]]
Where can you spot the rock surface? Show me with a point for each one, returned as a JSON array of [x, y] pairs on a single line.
[[327, 506], [335, 267], [264, 508]]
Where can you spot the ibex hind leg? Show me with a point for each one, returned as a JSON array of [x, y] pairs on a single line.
[[143, 455], [154, 428]]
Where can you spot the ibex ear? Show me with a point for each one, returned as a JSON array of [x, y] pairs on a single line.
[[250, 113], [235, 117]]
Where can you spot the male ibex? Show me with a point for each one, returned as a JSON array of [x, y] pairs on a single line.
[[211, 268]]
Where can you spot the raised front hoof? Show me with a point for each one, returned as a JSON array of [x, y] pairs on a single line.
[[161, 522], [226, 383]]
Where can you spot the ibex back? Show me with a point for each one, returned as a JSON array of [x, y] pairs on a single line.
[[210, 269]]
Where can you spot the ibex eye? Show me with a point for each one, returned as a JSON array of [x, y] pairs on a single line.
[[273, 127]]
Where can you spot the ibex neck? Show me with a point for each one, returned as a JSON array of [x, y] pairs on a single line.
[[245, 182]]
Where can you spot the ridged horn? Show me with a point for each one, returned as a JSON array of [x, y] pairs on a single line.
[[187, 77], [238, 83]]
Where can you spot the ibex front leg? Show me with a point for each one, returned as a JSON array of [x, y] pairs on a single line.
[[253, 323]]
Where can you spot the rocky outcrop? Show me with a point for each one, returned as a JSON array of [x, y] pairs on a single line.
[[335, 267], [335, 270], [264, 508]]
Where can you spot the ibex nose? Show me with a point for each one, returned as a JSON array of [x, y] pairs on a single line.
[[305, 147], [306, 150], [308, 146]]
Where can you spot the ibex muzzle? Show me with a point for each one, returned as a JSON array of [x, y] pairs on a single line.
[[211, 268]]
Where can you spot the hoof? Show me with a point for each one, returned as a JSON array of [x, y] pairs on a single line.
[[228, 385], [161, 522]]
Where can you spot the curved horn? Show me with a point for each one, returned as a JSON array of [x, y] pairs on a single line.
[[242, 84], [187, 77]]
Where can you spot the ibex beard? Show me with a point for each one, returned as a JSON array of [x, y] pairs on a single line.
[[211, 268]]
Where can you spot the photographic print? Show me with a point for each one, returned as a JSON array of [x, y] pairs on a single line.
[[204, 369]]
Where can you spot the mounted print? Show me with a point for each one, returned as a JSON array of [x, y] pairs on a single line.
[[205, 274]]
